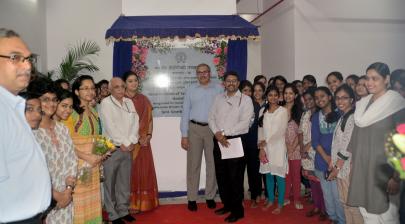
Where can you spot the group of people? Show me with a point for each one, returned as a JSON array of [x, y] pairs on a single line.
[[49, 132], [331, 138]]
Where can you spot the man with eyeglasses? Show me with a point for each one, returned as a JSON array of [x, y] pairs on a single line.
[[25, 186], [120, 124], [229, 118], [197, 137]]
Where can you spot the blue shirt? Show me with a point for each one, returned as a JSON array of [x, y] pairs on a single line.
[[25, 185], [322, 134], [197, 104]]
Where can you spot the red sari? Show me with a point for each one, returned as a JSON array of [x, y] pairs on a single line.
[[144, 191]]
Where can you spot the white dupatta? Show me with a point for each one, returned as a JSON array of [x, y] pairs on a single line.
[[386, 105]]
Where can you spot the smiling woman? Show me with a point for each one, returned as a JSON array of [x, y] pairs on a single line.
[[57, 146], [375, 115]]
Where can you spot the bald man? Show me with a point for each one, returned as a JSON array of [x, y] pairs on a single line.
[[120, 124]]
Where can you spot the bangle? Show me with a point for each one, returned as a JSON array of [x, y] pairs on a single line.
[[71, 187], [148, 134]]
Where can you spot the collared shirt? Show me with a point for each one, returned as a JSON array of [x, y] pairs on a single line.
[[231, 115], [120, 121], [25, 185], [197, 103]]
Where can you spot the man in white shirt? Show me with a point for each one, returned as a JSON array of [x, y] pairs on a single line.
[[230, 118], [25, 185], [120, 124]]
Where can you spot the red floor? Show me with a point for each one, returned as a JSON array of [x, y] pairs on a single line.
[[178, 214]]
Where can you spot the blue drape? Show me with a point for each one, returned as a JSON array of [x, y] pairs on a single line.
[[237, 57], [122, 57], [182, 26]]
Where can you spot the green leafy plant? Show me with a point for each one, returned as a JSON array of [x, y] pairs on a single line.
[[78, 59]]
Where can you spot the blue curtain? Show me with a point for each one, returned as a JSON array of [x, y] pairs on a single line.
[[122, 57], [237, 57]]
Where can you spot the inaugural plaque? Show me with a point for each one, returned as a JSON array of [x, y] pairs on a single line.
[[169, 75]]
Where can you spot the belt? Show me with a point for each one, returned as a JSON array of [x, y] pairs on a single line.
[[198, 123]]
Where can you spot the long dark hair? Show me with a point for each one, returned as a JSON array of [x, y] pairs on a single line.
[[261, 85], [381, 68], [41, 86], [76, 86], [126, 75], [63, 94], [346, 88], [333, 116], [296, 110], [267, 106]]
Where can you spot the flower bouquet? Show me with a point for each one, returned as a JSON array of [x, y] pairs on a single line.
[[102, 146], [395, 150]]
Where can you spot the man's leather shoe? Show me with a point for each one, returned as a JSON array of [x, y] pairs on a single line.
[[192, 206], [118, 221], [211, 204], [233, 218], [128, 218], [221, 211]]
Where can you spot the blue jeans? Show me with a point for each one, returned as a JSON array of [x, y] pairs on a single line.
[[331, 197]]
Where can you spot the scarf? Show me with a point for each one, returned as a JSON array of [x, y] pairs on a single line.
[[386, 105]]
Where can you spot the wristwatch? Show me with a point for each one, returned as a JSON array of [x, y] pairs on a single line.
[[71, 187]]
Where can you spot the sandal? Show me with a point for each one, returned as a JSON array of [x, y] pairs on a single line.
[[267, 206], [287, 202], [298, 205], [253, 204], [313, 212], [276, 211]]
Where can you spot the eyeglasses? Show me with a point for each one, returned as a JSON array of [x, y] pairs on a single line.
[[203, 72], [88, 89], [17, 58], [231, 81]]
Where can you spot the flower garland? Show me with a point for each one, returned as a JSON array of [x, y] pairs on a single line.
[[140, 49], [216, 47], [395, 150]]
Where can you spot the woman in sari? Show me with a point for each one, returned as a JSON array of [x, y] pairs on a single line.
[[83, 126], [144, 191]]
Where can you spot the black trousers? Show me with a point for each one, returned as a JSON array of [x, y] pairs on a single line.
[[229, 173], [253, 165]]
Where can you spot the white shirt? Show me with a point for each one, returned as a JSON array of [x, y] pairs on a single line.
[[25, 185], [231, 114], [120, 121]]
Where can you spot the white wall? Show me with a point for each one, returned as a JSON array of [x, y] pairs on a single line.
[[70, 21], [316, 37], [254, 63], [277, 38], [27, 18], [348, 35], [178, 7]]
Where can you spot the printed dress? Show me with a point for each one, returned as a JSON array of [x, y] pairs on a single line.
[[61, 159]]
